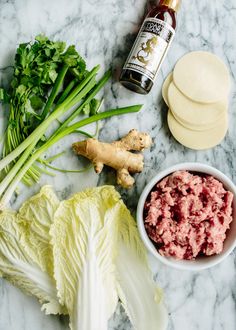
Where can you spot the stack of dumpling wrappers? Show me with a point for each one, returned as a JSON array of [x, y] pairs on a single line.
[[197, 95]]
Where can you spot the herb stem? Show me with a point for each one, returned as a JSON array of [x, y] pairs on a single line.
[[67, 91], [54, 92]]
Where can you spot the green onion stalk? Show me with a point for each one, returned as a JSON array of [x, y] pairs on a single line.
[[74, 97], [58, 135], [30, 143]]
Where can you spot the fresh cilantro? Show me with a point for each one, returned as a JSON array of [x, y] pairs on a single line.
[[37, 66]]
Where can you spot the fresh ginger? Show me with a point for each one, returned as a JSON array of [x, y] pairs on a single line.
[[117, 155]]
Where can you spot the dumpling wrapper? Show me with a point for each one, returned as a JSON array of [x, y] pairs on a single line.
[[165, 87], [193, 115], [202, 77], [198, 140]]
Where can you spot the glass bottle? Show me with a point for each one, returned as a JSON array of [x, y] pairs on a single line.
[[150, 47]]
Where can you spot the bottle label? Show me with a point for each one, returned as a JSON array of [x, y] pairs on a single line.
[[150, 47]]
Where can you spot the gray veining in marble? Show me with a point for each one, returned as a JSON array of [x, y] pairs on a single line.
[[104, 31]]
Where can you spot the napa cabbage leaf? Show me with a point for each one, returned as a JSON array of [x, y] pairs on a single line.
[[36, 216], [98, 255], [84, 248], [141, 298], [25, 250]]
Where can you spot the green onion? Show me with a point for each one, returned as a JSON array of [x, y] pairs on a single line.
[[15, 179], [75, 96]]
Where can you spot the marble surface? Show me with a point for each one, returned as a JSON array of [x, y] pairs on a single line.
[[104, 31]]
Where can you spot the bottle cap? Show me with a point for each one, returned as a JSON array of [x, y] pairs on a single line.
[[173, 4]]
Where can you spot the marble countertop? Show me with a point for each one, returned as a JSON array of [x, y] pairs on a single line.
[[103, 31]]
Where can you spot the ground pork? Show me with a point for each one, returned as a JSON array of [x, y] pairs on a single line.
[[187, 215]]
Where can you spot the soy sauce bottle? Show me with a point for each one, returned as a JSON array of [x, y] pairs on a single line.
[[150, 47]]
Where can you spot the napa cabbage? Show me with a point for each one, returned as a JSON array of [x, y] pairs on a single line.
[[98, 257], [141, 298], [84, 244], [26, 258]]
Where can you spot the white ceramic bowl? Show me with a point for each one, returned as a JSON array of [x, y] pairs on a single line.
[[200, 262]]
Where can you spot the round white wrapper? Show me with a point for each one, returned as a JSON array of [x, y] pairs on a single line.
[[165, 87], [202, 77], [198, 140], [197, 128], [193, 115]]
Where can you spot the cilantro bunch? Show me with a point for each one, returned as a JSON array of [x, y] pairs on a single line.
[[37, 66]]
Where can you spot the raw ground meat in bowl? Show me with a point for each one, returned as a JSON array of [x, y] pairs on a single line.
[[186, 216]]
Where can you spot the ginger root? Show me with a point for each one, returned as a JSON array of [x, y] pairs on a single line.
[[117, 155]]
